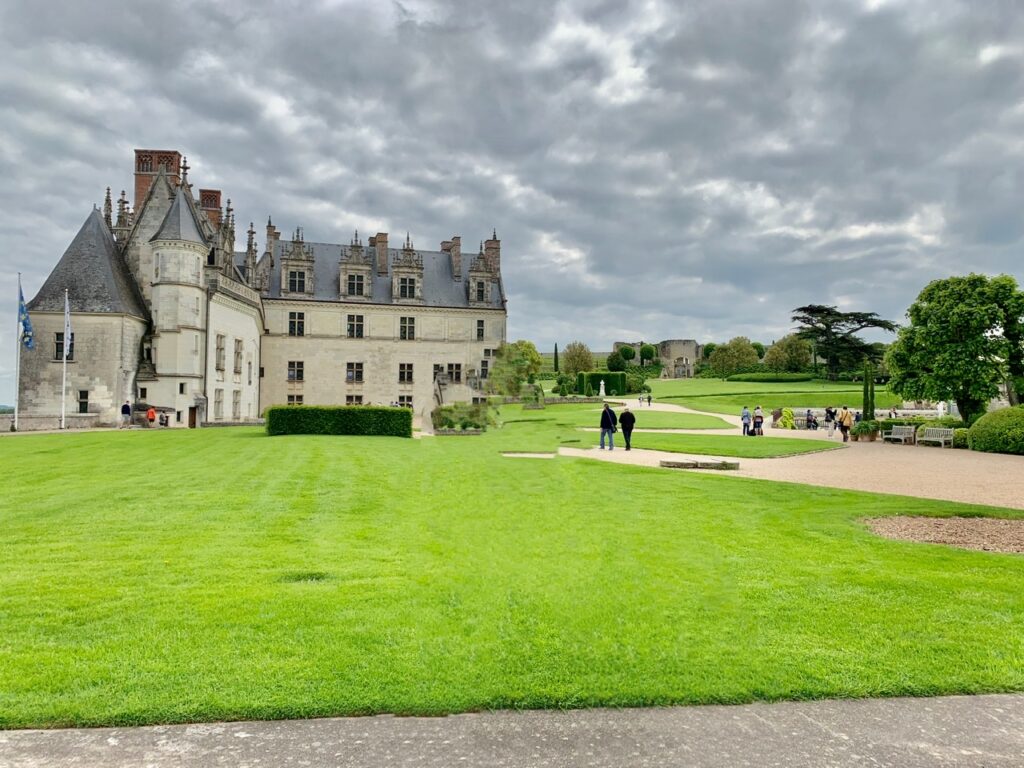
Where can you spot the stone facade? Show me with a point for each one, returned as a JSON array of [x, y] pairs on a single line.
[[166, 313], [678, 356]]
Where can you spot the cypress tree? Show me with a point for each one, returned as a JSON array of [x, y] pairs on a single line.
[[868, 409], [556, 358]]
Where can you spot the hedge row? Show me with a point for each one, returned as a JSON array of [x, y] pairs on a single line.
[[614, 382], [771, 377], [1001, 431], [339, 420]]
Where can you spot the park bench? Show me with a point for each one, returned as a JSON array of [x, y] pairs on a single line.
[[903, 434], [937, 435]]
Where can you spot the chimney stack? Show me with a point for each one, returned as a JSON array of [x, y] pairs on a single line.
[[272, 237], [454, 250], [380, 244], [147, 163], [209, 201], [492, 253]]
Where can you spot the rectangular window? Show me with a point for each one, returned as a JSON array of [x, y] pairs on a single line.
[[354, 373], [479, 330], [295, 370], [353, 399], [249, 366], [438, 369], [407, 287], [83, 401], [455, 372], [58, 347], [355, 326], [407, 328], [236, 405], [405, 401], [142, 394], [261, 371], [488, 353], [296, 323], [355, 285], [177, 416], [220, 352], [294, 399], [297, 281], [238, 356], [218, 403], [483, 368], [405, 373], [479, 291], [181, 388]]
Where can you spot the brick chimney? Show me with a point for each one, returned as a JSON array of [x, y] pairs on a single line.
[[209, 201], [148, 163], [380, 244], [492, 253], [272, 237], [455, 249]]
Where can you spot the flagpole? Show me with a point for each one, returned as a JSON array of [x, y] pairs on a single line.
[[17, 359], [64, 377]]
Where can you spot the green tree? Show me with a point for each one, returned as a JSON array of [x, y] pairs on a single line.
[[737, 355], [556, 358], [834, 334], [577, 357], [647, 353], [628, 353], [759, 348], [708, 349], [868, 405], [956, 347], [615, 362], [790, 354], [514, 364]]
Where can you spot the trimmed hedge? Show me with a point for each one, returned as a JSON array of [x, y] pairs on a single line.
[[771, 377], [614, 381], [1001, 431], [339, 420], [960, 438]]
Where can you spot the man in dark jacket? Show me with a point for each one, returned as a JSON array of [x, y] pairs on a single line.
[[627, 420], [608, 422]]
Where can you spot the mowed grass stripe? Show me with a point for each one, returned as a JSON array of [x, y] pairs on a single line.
[[159, 577]]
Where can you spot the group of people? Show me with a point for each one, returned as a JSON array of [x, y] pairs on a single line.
[[842, 420], [151, 416], [753, 423], [610, 425], [641, 401]]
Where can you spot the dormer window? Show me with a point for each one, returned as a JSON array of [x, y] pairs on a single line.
[[355, 285], [407, 287], [297, 281]]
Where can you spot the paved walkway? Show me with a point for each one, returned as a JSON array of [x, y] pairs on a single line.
[[906, 470], [980, 731]]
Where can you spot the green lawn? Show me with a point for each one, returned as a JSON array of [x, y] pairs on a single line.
[[716, 396], [219, 574], [720, 445], [590, 416]]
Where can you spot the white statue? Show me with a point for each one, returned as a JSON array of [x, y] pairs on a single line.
[[601, 391]]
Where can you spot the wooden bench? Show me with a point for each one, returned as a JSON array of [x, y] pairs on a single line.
[[902, 434], [937, 435]]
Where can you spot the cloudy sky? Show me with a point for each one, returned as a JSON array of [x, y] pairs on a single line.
[[654, 169]]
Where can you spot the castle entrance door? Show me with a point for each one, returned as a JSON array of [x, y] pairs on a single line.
[[192, 417]]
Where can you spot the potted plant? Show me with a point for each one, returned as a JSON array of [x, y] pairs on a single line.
[[866, 429]]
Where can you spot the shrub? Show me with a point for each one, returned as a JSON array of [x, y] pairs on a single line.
[[960, 437], [786, 420], [563, 390], [616, 362], [338, 420], [588, 391], [1001, 431], [771, 377], [614, 381], [866, 427], [461, 415]]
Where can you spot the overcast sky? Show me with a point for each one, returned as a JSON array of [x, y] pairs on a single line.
[[654, 169]]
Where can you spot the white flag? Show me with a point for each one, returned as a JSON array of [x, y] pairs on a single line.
[[68, 338]]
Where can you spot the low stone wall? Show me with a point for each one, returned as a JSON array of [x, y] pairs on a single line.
[[456, 432], [39, 423]]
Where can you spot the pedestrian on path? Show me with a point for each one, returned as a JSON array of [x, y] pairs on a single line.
[[745, 420], [648, 401], [627, 420], [845, 421], [608, 422], [126, 415], [758, 420], [830, 420], [151, 415]]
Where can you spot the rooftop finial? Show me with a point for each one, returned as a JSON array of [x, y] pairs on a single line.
[[494, 234], [108, 209], [269, 223], [184, 169]]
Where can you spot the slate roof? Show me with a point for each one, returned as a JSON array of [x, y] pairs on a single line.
[[439, 288], [180, 222], [97, 278]]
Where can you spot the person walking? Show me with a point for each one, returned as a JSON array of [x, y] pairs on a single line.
[[648, 401], [758, 420], [608, 422], [830, 420], [126, 415], [627, 420], [845, 421], [151, 415], [745, 419]]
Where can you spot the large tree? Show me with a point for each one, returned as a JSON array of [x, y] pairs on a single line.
[[733, 357], [834, 334], [956, 346], [790, 354], [513, 365], [576, 357]]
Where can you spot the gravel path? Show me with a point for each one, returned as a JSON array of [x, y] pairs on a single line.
[[986, 534]]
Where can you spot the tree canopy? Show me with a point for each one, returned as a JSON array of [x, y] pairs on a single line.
[[734, 357], [576, 357], [514, 363], [647, 352], [790, 354], [628, 353], [616, 362], [957, 346], [834, 334]]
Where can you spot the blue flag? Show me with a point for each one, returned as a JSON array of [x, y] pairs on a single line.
[[24, 323]]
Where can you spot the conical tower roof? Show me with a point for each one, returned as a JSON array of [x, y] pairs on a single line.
[[93, 272], [180, 222]]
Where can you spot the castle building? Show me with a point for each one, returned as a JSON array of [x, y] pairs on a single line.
[[678, 356], [165, 312]]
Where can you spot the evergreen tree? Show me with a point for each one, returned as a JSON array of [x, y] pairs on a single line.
[[556, 358]]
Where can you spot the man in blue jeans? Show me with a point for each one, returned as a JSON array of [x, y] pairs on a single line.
[[608, 422]]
